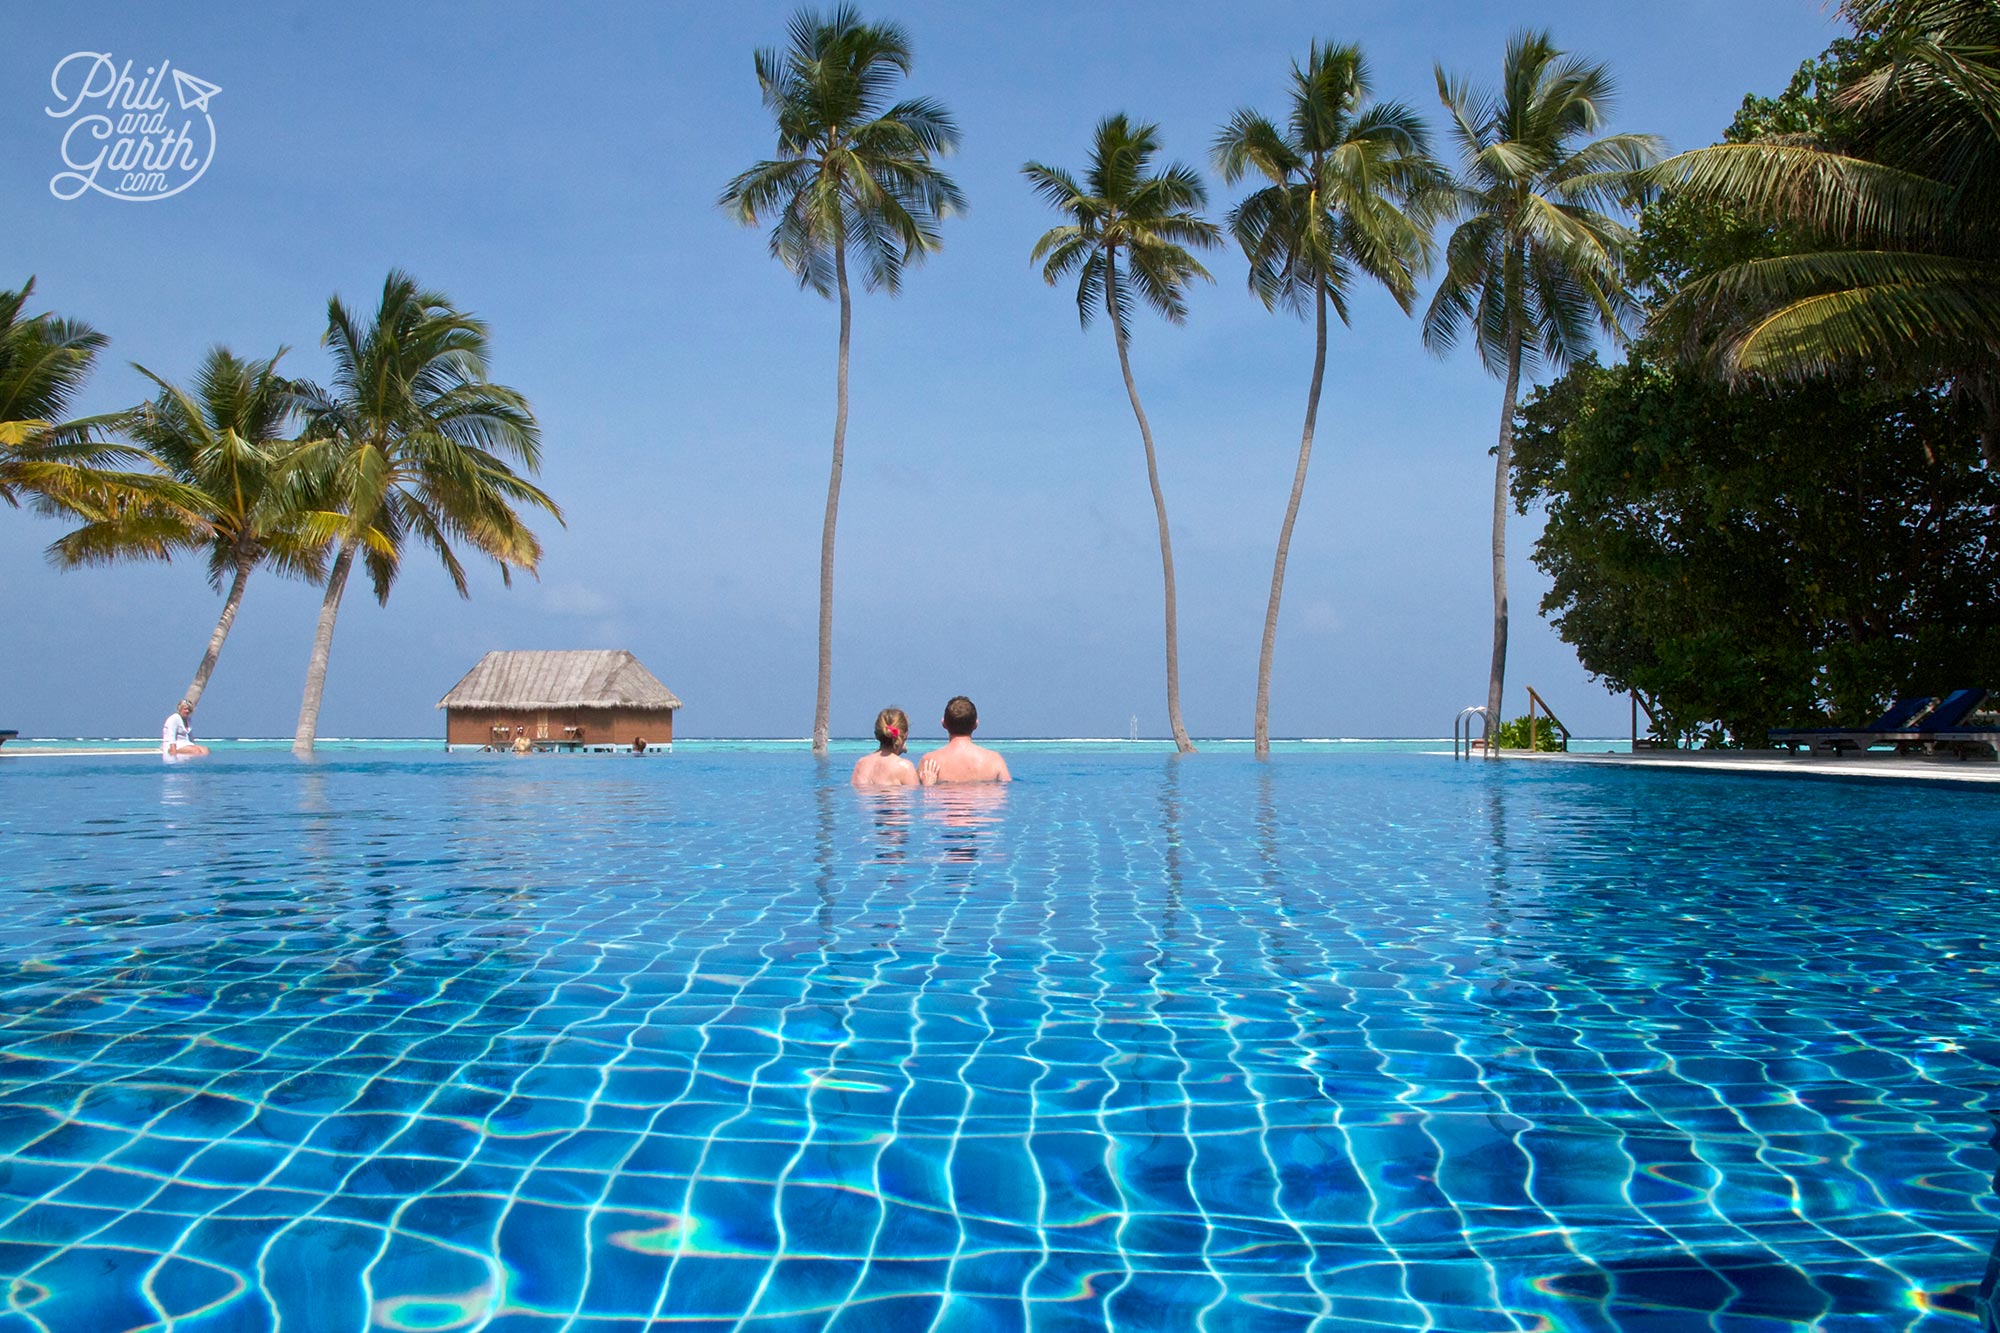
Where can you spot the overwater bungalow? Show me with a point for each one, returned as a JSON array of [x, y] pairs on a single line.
[[574, 700]]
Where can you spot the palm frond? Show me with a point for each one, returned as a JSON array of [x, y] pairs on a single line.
[[1837, 198], [854, 173], [1123, 205]]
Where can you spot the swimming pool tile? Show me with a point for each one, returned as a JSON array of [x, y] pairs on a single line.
[[309, 1268], [1285, 1048]]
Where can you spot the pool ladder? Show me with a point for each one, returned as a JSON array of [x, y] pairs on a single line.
[[1461, 727], [1463, 724]]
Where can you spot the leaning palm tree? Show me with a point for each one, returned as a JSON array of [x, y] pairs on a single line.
[[1124, 211], [61, 465], [1351, 189], [852, 172], [1890, 254], [411, 442], [226, 441], [1535, 261]]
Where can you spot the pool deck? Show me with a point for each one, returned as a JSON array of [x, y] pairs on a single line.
[[1777, 763]]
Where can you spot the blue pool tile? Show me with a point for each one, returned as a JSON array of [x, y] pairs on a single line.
[[1319, 1043]]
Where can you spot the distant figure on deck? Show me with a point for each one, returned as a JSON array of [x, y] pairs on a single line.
[[887, 767], [960, 760], [638, 745], [176, 741], [522, 745]]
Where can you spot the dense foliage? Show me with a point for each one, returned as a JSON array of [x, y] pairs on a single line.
[[1747, 560], [1885, 202], [1753, 556]]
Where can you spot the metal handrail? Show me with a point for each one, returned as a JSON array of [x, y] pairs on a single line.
[[1536, 701], [1463, 723]]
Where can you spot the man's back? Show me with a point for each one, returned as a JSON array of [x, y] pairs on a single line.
[[962, 761]]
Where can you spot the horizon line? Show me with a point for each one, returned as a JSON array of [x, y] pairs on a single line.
[[807, 740]]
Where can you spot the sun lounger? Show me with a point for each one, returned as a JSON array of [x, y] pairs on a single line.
[[1900, 717], [1943, 726], [1965, 741]]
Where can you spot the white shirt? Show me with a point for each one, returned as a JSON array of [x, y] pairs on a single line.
[[174, 732]]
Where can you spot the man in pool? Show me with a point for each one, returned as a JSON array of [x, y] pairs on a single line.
[[960, 760], [176, 741]]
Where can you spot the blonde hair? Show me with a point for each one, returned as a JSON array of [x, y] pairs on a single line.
[[892, 730]]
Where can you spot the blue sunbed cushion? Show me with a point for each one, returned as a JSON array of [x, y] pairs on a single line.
[[1956, 707], [1901, 714]]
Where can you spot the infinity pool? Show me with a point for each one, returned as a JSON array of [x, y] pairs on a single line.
[[711, 1041]]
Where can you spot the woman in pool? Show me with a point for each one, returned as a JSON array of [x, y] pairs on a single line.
[[887, 767]]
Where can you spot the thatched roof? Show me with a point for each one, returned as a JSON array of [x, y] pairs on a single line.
[[593, 678]]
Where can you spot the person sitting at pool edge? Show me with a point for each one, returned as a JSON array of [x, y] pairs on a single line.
[[887, 767], [960, 760], [176, 740]]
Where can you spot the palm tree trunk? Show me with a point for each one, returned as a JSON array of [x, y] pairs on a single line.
[[1503, 462], [1262, 726], [329, 607], [1181, 742], [244, 564], [823, 709]]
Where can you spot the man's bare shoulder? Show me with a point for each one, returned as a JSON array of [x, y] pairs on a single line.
[[992, 768], [964, 763]]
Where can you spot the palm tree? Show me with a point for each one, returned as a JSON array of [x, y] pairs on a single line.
[[412, 441], [1890, 260], [59, 465], [226, 443], [1352, 188], [851, 172], [1536, 259], [1124, 207]]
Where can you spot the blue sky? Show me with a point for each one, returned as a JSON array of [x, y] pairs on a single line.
[[555, 170]]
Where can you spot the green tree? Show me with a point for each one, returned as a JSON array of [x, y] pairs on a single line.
[[227, 442], [852, 172], [60, 465], [1888, 213], [1123, 210], [412, 441], [1351, 188], [1753, 558], [1535, 262], [1750, 555]]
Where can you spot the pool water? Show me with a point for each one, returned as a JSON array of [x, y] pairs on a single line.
[[712, 1041]]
